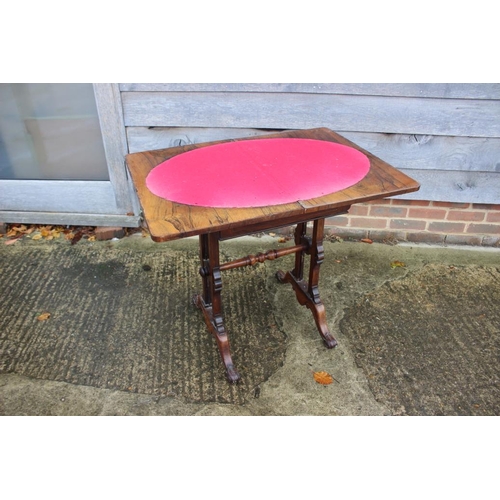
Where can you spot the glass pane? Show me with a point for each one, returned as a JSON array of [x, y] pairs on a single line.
[[50, 131]]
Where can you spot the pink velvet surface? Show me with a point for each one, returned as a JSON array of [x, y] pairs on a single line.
[[257, 173]]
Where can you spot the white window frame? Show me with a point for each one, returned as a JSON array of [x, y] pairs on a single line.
[[93, 203]]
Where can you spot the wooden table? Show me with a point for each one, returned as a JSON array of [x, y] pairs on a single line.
[[169, 220]]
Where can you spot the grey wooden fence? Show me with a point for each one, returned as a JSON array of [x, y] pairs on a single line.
[[446, 135]]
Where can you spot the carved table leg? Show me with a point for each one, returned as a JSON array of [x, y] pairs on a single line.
[[210, 300], [307, 291]]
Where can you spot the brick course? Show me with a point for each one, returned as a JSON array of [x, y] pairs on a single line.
[[421, 221]]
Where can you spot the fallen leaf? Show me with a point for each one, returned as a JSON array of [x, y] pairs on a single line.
[[282, 240], [272, 234], [43, 316], [323, 378], [37, 237], [367, 240], [77, 237], [11, 241], [91, 238], [397, 263]]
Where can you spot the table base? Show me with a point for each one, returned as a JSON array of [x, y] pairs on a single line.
[[307, 292]]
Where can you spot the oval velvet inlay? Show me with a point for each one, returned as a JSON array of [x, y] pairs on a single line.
[[257, 173]]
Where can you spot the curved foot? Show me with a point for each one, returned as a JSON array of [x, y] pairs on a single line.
[[318, 310], [215, 325], [329, 341], [231, 374]]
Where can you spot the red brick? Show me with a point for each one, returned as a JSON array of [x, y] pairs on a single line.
[[348, 232], [446, 227], [484, 228], [425, 237], [388, 211], [108, 233], [407, 224], [338, 221], [465, 216], [491, 241], [384, 235], [447, 204], [493, 217], [368, 222], [463, 239], [412, 203], [480, 206], [427, 213], [358, 210]]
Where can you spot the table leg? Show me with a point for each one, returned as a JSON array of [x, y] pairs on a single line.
[[307, 292], [210, 301]]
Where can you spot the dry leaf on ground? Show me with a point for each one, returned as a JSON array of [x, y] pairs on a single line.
[[323, 378], [397, 263], [43, 316], [11, 241]]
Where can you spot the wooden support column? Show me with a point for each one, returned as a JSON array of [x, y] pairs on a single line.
[[307, 292], [210, 301]]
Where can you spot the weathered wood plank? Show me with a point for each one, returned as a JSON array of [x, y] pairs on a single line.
[[96, 197], [109, 108], [456, 187], [436, 90], [460, 117], [71, 219], [432, 152], [147, 138], [403, 151]]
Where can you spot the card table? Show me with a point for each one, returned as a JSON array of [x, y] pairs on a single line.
[[226, 189]]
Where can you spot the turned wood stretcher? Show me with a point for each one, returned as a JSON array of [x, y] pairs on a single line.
[[226, 189]]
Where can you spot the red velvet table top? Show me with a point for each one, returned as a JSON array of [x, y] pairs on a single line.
[[258, 173]]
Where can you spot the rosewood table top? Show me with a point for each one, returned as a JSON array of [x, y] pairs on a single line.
[[169, 219]]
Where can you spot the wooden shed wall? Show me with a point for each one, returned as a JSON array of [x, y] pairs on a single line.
[[447, 136]]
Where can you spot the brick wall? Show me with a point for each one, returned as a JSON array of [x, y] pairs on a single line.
[[420, 221]]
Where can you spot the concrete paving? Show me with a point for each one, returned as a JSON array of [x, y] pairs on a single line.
[[123, 339]]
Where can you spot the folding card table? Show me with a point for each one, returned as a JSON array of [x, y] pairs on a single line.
[[226, 189]]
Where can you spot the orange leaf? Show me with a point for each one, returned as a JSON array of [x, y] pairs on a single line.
[[397, 263], [11, 241], [323, 378], [43, 316], [367, 240]]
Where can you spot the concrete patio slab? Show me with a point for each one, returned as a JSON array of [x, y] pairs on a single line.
[[122, 337]]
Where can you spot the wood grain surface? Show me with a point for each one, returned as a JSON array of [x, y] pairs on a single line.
[[168, 220]]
